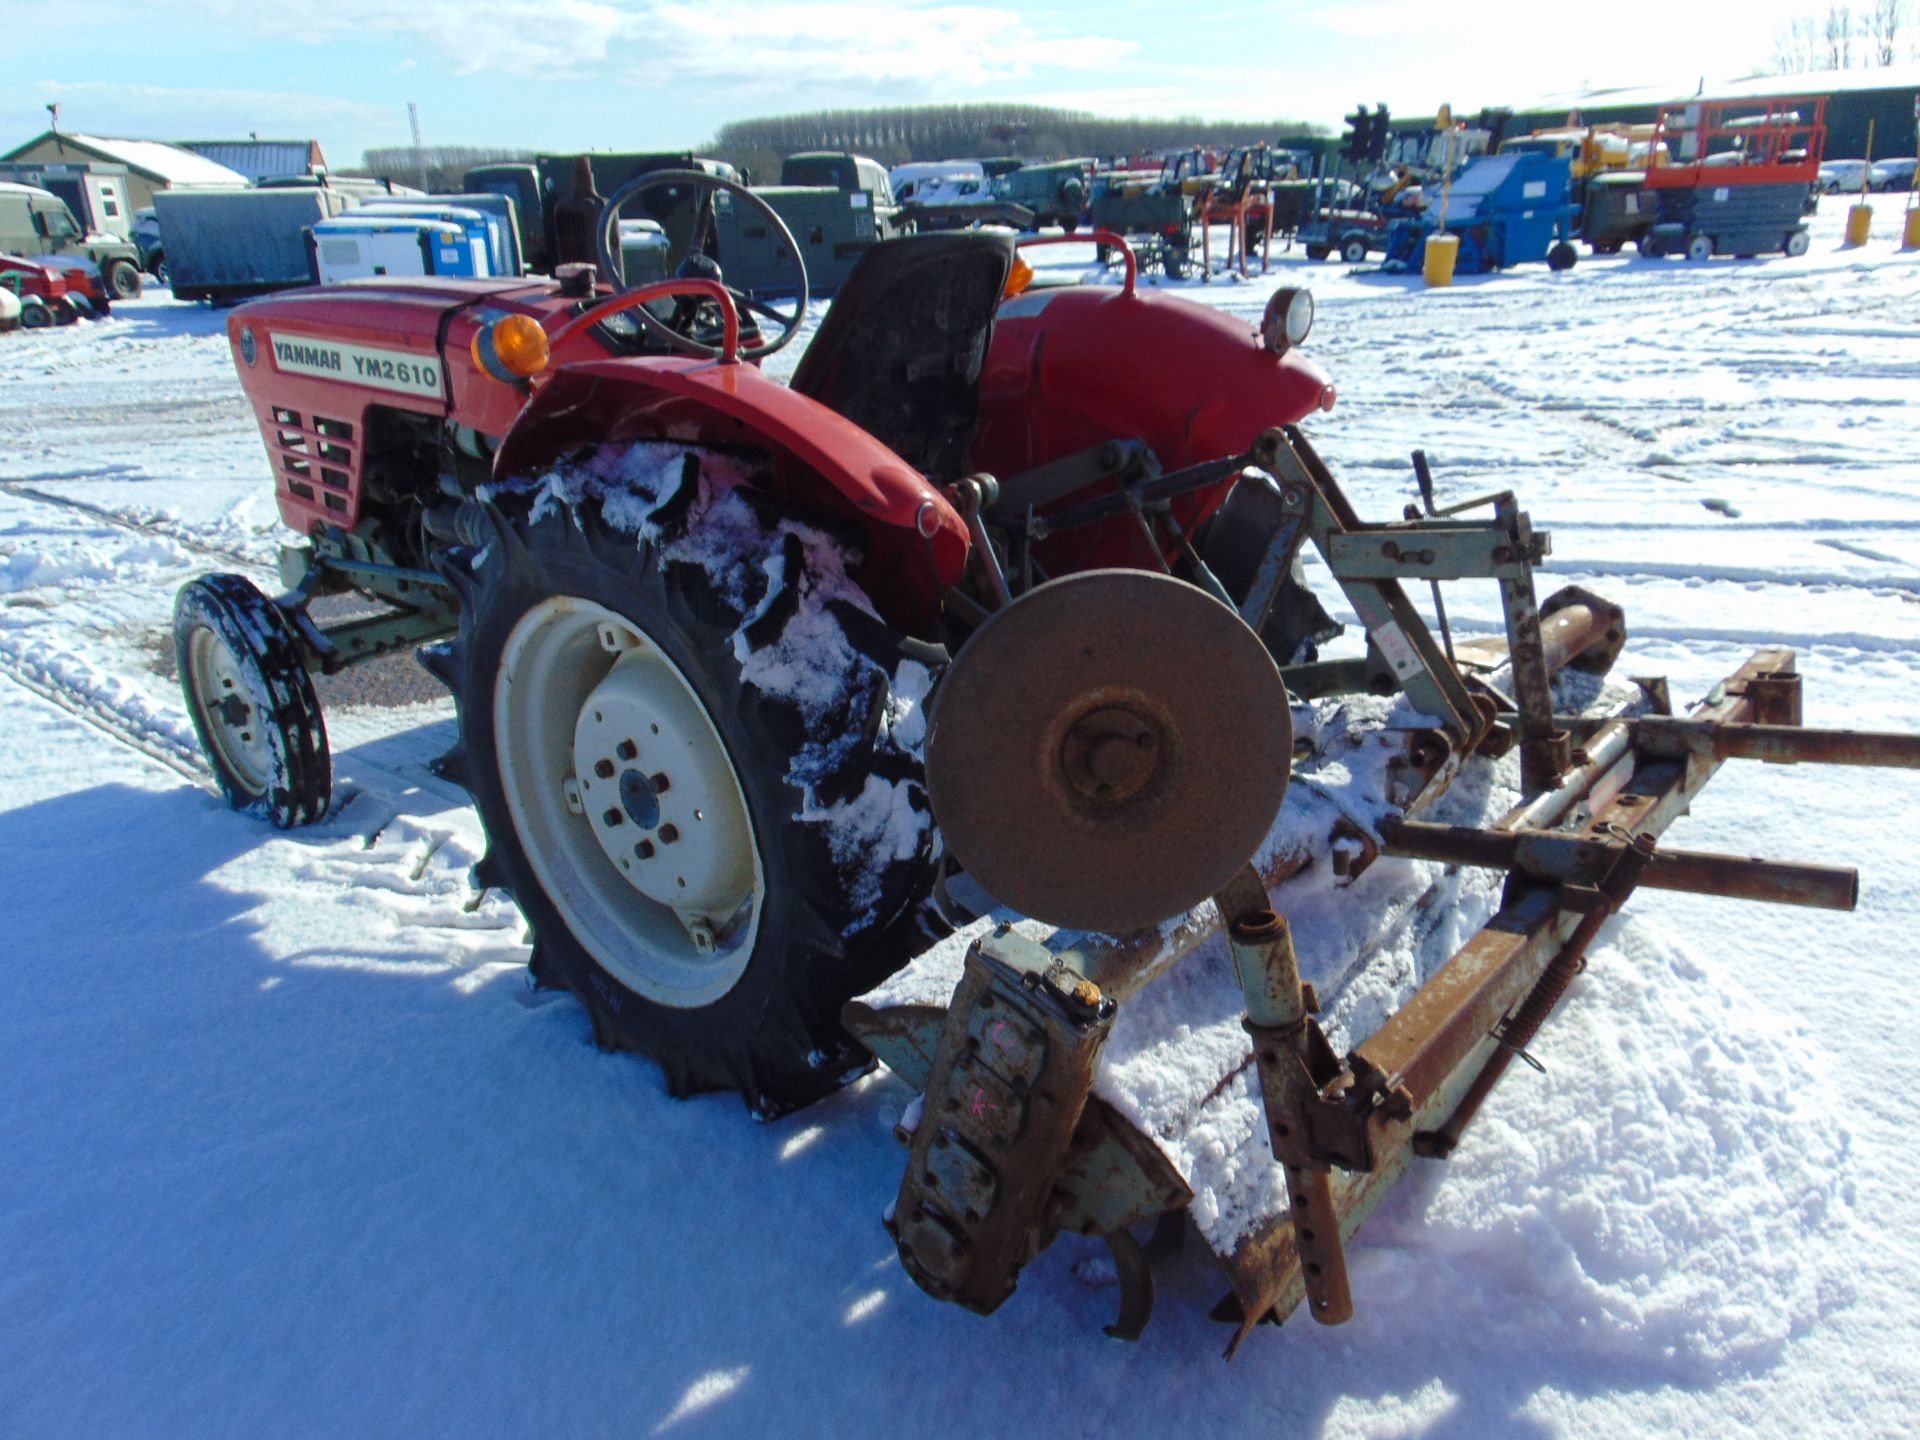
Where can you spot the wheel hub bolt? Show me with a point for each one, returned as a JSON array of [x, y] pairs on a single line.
[[637, 796]]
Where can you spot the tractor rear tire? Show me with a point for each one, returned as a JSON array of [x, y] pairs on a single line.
[[35, 317], [252, 701], [122, 279], [572, 634]]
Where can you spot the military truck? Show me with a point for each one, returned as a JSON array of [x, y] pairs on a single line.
[[838, 208], [1056, 192], [37, 222], [95, 191]]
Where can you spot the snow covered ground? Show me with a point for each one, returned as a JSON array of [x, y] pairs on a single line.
[[290, 1148]]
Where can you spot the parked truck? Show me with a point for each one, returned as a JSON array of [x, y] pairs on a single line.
[[35, 222], [837, 207], [225, 245]]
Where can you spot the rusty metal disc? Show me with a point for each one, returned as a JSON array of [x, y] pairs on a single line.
[[1107, 750]]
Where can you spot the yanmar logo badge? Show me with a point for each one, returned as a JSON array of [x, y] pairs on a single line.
[[394, 370], [292, 355]]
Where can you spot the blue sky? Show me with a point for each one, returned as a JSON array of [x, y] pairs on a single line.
[[643, 74]]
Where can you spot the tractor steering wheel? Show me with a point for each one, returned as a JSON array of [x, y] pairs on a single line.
[[697, 266]]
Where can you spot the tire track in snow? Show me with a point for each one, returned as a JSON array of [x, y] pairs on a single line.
[[178, 534], [84, 691]]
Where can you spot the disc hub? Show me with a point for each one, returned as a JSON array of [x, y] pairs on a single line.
[[1108, 750], [1113, 755]]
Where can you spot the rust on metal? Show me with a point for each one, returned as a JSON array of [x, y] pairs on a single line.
[[1438, 1044], [1516, 1032], [1555, 858], [1580, 630], [1108, 749], [1297, 1069], [1004, 1101], [1778, 744]]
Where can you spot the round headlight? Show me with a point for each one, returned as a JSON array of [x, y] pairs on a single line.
[[1288, 320]]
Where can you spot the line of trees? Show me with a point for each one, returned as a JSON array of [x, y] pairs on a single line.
[[435, 168], [893, 136], [1876, 34]]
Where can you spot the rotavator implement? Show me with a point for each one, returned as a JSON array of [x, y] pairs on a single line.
[[936, 704]]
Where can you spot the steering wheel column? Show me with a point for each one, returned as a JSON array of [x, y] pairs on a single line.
[[699, 269]]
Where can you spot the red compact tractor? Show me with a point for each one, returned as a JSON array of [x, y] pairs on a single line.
[[998, 596], [52, 293]]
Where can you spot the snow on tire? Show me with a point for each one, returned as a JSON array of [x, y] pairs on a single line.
[[252, 701], [696, 754]]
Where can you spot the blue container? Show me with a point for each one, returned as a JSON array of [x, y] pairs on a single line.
[[364, 244], [485, 233], [1507, 210]]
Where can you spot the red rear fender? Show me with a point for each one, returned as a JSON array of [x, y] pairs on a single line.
[[821, 462]]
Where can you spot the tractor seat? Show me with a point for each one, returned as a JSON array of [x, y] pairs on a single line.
[[901, 349]]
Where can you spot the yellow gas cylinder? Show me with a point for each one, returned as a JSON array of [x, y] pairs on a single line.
[[1859, 224], [1437, 264], [1910, 240]]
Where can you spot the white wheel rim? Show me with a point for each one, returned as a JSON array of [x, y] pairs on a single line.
[[226, 702], [626, 803]]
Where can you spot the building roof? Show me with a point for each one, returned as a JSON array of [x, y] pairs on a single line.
[[154, 159], [262, 159], [1746, 87]]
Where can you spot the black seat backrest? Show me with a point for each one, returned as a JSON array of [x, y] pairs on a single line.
[[901, 349]]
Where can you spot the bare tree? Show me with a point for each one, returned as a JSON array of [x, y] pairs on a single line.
[[1885, 27], [1837, 37], [1796, 49], [1875, 35]]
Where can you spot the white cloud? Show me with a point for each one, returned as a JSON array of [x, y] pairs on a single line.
[[101, 107], [657, 42], [1385, 17]]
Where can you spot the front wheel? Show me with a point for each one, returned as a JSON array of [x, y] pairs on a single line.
[[123, 279], [1353, 250], [699, 778], [1318, 252], [1700, 247], [1562, 256], [1796, 243], [252, 701]]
